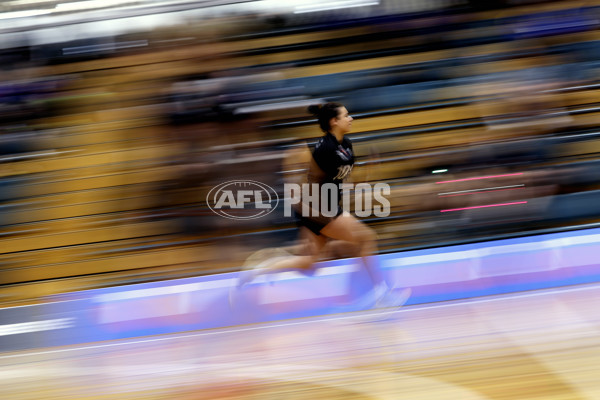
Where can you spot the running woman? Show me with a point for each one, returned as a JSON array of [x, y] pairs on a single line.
[[331, 161]]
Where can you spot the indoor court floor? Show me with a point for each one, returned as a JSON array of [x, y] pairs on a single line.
[[530, 345]]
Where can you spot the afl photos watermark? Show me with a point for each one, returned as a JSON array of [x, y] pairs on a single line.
[[247, 199]]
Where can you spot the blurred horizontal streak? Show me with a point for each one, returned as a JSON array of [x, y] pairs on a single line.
[[135, 261], [98, 117], [99, 249], [333, 5], [485, 206], [17, 244], [104, 47], [111, 157], [99, 177], [174, 60], [128, 202], [471, 191], [392, 61], [34, 155], [26, 291], [481, 177], [478, 192], [281, 104], [24, 14], [90, 16]]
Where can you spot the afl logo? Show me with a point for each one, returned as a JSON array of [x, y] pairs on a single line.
[[242, 199]]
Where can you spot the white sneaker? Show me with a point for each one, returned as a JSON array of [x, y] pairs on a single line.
[[394, 298], [372, 297], [245, 277]]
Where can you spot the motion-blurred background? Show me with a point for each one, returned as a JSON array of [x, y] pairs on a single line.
[[117, 117]]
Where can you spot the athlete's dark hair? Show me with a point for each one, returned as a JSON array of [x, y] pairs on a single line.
[[324, 113]]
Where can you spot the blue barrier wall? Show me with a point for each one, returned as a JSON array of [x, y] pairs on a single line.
[[445, 273]]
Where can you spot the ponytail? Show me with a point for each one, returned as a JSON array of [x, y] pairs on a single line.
[[324, 113]]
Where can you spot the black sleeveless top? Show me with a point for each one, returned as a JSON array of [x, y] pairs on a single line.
[[334, 159]]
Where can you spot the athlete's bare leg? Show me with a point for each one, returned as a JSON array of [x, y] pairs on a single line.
[[346, 227], [343, 228], [310, 250]]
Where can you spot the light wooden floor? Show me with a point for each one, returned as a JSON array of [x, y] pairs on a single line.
[[532, 345]]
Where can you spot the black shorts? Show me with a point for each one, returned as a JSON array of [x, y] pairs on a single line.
[[315, 224]]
